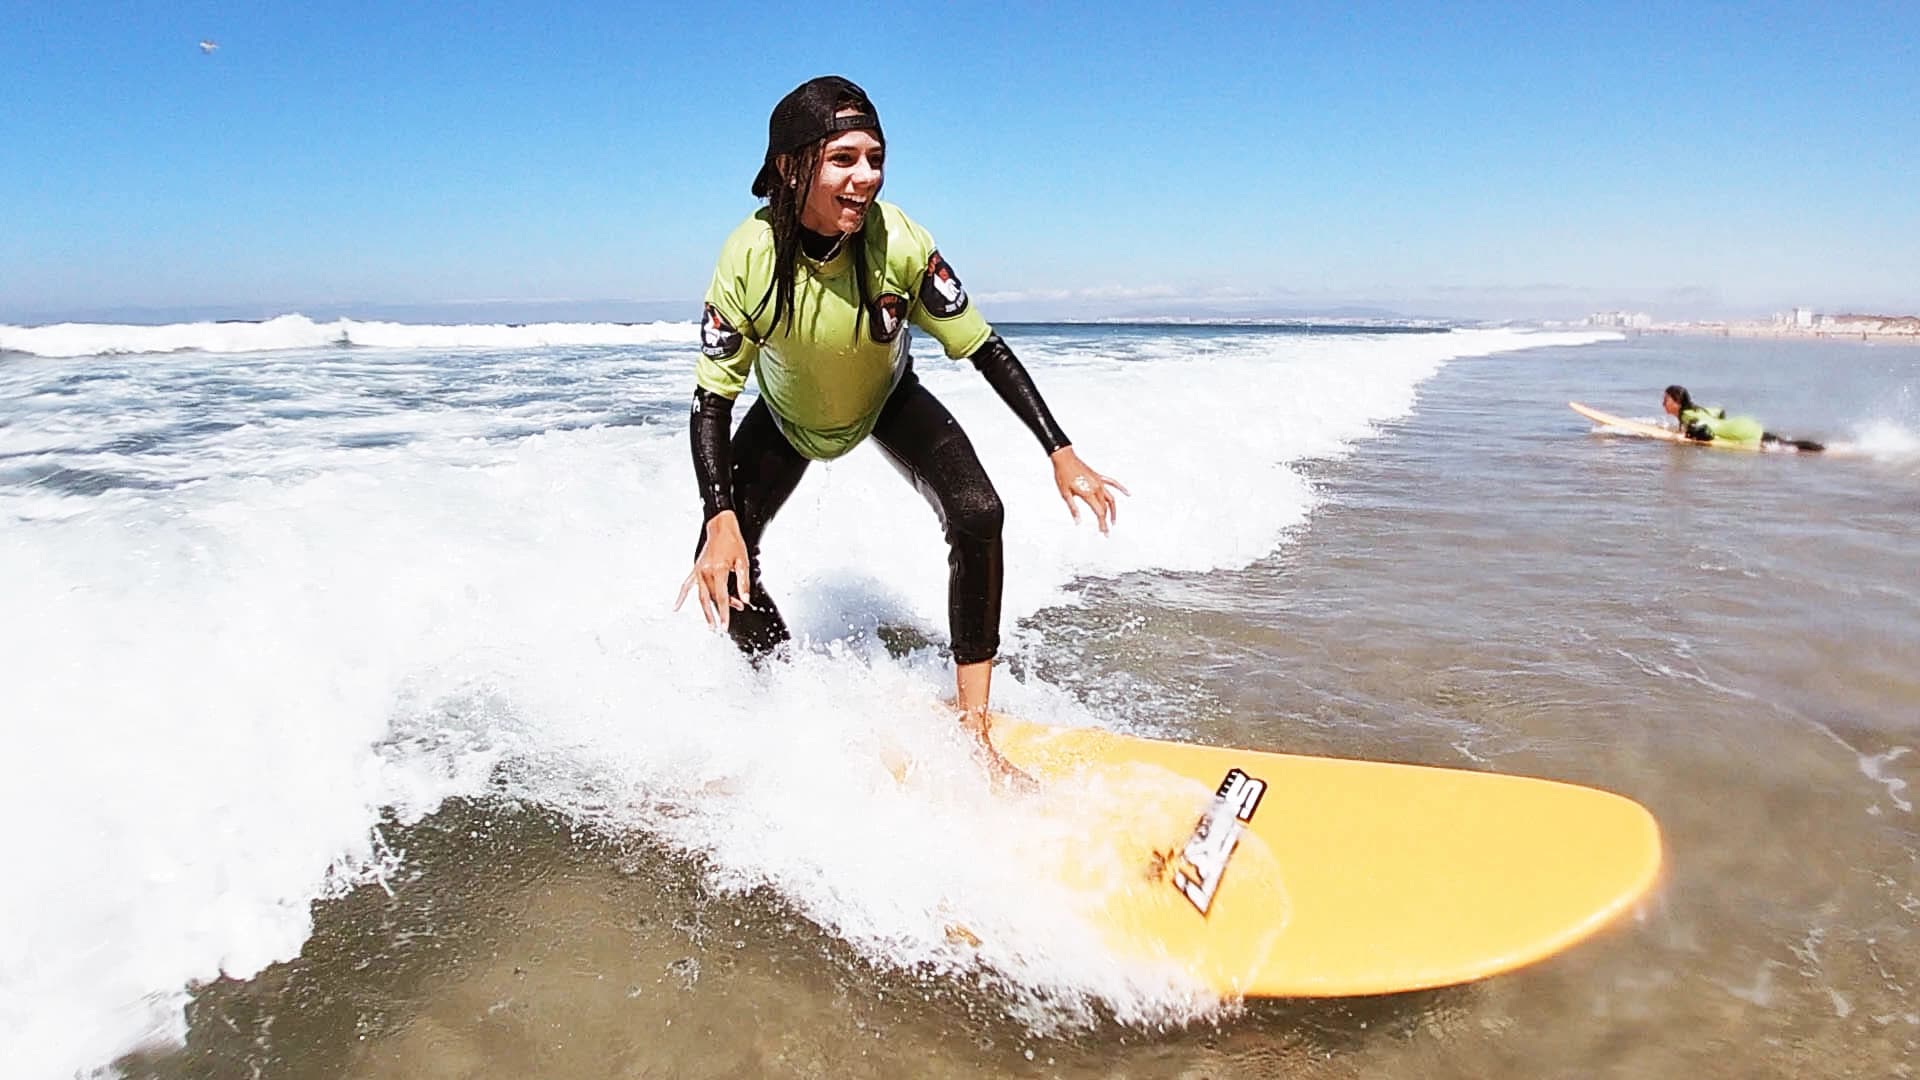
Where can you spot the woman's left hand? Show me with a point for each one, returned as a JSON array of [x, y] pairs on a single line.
[[1076, 481]]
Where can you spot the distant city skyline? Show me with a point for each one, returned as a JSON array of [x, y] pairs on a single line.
[[1126, 161], [1006, 309]]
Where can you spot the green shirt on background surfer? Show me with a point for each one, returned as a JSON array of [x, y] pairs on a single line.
[[1702, 424], [813, 296]]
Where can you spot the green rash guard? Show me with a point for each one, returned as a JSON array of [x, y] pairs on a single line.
[[1723, 428], [824, 380]]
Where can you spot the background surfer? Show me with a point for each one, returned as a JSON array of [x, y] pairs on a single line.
[[806, 296], [1702, 424]]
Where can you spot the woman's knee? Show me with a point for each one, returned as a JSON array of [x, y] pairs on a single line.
[[979, 516]]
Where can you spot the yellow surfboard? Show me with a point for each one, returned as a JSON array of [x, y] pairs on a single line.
[[1621, 425], [1265, 874]]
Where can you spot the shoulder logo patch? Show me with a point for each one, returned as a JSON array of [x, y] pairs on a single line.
[[889, 314], [718, 339], [940, 290]]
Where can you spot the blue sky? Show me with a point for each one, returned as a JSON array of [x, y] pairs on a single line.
[[1488, 160]]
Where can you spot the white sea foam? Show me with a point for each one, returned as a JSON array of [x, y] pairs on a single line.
[[299, 332], [1886, 439], [223, 680]]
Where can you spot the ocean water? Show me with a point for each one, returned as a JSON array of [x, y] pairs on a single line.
[[354, 733]]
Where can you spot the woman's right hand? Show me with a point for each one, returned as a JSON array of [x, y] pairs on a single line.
[[725, 552]]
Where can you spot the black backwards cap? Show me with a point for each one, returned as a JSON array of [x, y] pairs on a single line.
[[805, 116]]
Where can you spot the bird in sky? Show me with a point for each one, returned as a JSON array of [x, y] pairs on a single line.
[[209, 46]]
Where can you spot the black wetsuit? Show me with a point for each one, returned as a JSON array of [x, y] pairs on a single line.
[[753, 473]]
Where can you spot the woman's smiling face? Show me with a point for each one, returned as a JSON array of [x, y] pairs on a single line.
[[847, 182]]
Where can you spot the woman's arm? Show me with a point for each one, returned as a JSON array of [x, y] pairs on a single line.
[[711, 427], [1010, 380], [725, 551], [1071, 476]]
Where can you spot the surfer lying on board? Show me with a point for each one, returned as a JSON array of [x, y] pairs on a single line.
[[813, 294], [1702, 424]]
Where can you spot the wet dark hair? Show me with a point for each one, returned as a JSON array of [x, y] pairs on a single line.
[[1679, 394], [784, 203]]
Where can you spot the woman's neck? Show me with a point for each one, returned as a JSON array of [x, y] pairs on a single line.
[[817, 247]]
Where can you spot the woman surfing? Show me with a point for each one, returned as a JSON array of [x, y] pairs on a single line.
[[812, 295]]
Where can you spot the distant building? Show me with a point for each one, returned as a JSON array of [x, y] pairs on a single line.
[[1620, 320], [1802, 318]]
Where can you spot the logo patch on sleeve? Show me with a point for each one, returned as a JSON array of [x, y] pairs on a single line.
[[889, 314], [940, 290], [718, 339]]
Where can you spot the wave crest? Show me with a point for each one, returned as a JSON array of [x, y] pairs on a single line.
[[296, 331]]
